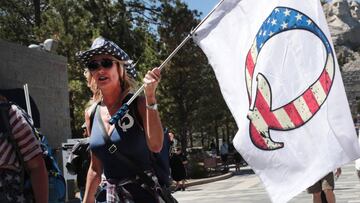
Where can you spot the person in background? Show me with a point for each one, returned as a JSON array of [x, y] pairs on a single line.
[[213, 148], [224, 152], [325, 184], [84, 167], [30, 150], [178, 171], [357, 124], [111, 77], [173, 141]]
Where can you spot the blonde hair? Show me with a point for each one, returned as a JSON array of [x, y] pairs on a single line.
[[127, 83]]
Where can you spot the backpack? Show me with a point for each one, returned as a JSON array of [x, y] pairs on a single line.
[[160, 161], [79, 159], [57, 186], [78, 162]]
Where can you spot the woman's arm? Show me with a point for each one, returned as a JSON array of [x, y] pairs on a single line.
[[93, 179], [150, 117], [39, 178]]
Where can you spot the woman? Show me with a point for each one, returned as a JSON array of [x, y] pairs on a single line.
[[22, 136], [136, 135], [178, 171]]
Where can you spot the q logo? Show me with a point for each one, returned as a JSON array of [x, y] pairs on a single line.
[[126, 122], [301, 109]]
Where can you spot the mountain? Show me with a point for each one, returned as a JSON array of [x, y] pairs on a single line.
[[343, 18]]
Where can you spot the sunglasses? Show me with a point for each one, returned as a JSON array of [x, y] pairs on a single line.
[[95, 64]]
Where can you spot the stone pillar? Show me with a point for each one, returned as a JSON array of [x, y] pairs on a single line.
[[47, 79]]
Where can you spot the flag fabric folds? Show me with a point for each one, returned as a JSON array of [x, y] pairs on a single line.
[[277, 71]]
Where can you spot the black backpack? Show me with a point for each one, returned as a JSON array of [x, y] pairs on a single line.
[[57, 185]]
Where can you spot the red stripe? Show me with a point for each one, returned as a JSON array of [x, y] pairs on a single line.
[[250, 64], [325, 81], [15, 122], [293, 114], [5, 146], [23, 136], [28, 152], [265, 112], [19, 129], [8, 155], [257, 138], [311, 101], [26, 144]]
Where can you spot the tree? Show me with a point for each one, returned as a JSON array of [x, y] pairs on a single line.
[[148, 30], [75, 23]]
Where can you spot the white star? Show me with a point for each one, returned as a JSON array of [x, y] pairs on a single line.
[[298, 17], [260, 32], [268, 21], [308, 21], [284, 25], [287, 12], [264, 33], [271, 33], [276, 10], [273, 22], [20, 198]]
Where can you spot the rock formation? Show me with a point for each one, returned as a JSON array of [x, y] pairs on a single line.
[[344, 23]]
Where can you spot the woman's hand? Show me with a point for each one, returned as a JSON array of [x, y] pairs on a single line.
[[151, 81]]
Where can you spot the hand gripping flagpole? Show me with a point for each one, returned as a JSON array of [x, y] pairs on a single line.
[[125, 107]]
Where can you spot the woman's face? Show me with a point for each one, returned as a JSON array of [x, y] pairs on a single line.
[[106, 74]]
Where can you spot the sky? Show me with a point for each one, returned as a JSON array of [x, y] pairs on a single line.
[[204, 6]]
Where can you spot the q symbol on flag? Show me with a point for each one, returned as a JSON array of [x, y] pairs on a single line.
[[291, 115]]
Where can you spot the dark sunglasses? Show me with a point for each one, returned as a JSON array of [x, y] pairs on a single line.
[[95, 64]]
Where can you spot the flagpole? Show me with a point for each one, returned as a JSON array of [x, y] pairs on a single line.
[[121, 112], [27, 99]]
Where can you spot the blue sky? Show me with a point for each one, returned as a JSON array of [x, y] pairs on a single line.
[[205, 6]]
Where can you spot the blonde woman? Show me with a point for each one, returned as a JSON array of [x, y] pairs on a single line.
[[139, 133]]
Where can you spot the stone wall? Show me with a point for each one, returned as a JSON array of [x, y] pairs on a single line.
[[47, 79], [352, 86]]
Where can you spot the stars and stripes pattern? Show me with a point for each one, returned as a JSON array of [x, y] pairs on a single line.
[[102, 46], [301, 109], [23, 134], [10, 182]]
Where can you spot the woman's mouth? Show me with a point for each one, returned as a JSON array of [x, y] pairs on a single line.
[[102, 78]]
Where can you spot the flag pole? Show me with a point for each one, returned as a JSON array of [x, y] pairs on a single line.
[[27, 99], [124, 108]]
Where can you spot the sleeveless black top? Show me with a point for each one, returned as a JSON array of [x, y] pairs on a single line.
[[128, 136]]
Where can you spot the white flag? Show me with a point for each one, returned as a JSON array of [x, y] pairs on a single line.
[[278, 73]]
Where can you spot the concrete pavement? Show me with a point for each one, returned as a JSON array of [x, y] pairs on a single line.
[[246, 187]]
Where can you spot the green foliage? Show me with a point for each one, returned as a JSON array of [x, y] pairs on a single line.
[[148, 30], [195, 170]]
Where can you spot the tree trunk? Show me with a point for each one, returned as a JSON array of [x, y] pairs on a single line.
[[216, 137], [191, 138], [37, 13], [227, 132], [183, 140], [202, 137]]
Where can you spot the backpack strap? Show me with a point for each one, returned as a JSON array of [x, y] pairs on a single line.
[[7, 134]]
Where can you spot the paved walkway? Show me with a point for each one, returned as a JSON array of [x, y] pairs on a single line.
[[246, 187]]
